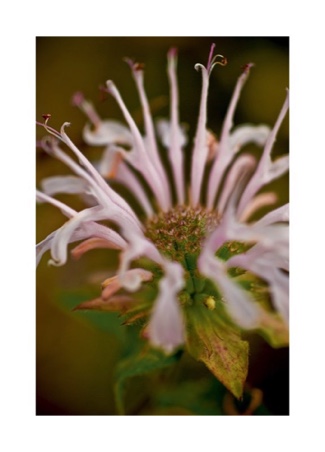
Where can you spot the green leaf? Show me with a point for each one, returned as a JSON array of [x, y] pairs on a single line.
[[202, 396], [218, 344], [141, 362]]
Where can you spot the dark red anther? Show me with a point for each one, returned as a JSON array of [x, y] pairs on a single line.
[[246, 68], [138, 66], [103, 93], [46, 117]]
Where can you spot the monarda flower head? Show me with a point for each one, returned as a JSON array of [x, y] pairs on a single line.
[[195, 271]]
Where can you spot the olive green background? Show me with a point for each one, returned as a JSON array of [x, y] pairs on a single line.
[[76, 352]]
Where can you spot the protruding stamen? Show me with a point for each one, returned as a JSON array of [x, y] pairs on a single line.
[[49, 129], [213, 59], [247, 67], [134, 65], [211, 56], [46, 117], [200, 152]]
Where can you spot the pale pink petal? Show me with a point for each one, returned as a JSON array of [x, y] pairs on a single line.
[[97, 179], [166, 326], [226, 153], [87, 107], [66, 210], [261, 200], [248, 133], [150, 139], [173, 137], [200, 151], [263, 264], [96, 231], [223, 158], [116, 207], [127, 177], [239, 304], [175, 152], [244, 163], [94, 243], [134, 277], [44, 246], [108, 132], [63, 236], [281, 214], [138, 246], [145, 165], [110, 167], [164, 131], [64, 184], [266, 170]]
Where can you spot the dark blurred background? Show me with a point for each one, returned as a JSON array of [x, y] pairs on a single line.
[[77, 352]]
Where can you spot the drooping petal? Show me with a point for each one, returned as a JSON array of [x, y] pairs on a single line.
[[240, 306], [63, 236], [166, 327], [138, 246], [94, 243], [134, 278], [264, 264]]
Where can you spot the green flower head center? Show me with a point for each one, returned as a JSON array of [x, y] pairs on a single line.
[[179, 235], [181, 230]]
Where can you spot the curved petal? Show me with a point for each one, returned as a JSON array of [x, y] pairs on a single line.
[[261, 200], [241, 307], [281, 214], [108, 132], [266, 170]]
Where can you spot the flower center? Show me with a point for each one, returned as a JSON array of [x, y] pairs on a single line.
[[181, 230]]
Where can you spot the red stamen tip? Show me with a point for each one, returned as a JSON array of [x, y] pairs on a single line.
[[77, 99], [46, 117], [172, 53], [134, 65], [246, 68]]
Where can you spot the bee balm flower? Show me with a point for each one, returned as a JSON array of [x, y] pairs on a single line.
[[212, 271]]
